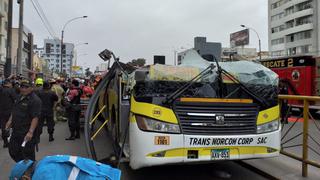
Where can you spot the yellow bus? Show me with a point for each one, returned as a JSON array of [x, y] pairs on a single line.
[[197, 112]]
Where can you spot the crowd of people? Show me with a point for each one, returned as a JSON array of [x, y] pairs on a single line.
[[26, 106]]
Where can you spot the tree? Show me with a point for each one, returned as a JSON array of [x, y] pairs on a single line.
[[137, 62]]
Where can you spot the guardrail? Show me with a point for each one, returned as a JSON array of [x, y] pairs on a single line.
[[306, 134]]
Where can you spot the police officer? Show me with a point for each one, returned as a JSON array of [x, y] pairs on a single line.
[[48, 99], [73, 108], [24, 121], [283, 89], [7, 98]]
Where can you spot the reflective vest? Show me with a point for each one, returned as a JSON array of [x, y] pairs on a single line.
[[73, 168]]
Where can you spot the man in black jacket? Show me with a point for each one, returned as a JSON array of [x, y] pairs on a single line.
[[7, 98], [48, 99], [24, 121]]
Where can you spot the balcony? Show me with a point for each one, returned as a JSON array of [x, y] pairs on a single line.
[[297, 14]]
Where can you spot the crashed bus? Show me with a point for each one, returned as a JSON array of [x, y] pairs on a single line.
[[197, 112]]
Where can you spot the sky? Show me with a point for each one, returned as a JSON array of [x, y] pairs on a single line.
[[143, 28]]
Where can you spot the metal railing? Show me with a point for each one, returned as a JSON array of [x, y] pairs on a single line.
[[306, 134]]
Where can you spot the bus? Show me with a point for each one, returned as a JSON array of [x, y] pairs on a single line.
[[197, 112]]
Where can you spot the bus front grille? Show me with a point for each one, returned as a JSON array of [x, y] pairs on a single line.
[[217, 118]]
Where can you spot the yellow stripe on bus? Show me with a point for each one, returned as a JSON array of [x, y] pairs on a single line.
[[216, 100], [234, 150]]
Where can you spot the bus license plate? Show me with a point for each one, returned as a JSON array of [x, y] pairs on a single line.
[[162, 140], [217, 154]]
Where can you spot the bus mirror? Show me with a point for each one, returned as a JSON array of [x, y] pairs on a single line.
[[105, 55]]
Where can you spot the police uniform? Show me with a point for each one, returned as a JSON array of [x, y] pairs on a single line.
[[24, 110], [48, 99], [7, 98]]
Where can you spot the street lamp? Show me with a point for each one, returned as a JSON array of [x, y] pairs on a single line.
[[62, 33], [257, 36]]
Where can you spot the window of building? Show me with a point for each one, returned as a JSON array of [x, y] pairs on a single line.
[[289, 10], [292, 51], [303, 20], [277, 41], [57, 65], [57, 60], [290, 38], [289, 24], [303, 35], [277, 4], [304, 5], [277, 16], [277, 53], [278, 29], [64, 61]]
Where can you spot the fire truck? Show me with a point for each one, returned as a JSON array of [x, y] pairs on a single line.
[[299, 74]]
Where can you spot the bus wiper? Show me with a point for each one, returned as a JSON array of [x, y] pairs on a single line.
[[234, 79], [169, 99], [244, 87]]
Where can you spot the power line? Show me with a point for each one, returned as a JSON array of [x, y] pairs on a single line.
[[45, 17], [45, 23]]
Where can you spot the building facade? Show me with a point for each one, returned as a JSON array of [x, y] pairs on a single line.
[[51, 52], [102, 67], [208, 50], [3, 33], [293, 27], [27, 51]]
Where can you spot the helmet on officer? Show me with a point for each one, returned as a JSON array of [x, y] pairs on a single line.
[[39, 82]]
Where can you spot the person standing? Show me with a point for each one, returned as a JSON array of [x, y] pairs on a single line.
[[73, 108], [7, 98], [48, 98], [57, 115], [283, 89], [24, 121]]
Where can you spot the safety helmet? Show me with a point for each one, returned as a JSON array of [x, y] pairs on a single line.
[[39, 81], [20, 168]]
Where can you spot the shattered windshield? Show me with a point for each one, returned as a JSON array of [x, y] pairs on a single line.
[[162, 80]]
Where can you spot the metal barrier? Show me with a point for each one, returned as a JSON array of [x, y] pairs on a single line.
[[306, 135]]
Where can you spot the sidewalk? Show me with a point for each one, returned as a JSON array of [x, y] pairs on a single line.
[[58, 146], [284, 167]]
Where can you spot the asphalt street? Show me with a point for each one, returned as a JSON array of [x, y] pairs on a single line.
[[221, 170]]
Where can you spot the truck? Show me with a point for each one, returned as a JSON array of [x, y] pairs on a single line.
[[197, 112], [300, 75]]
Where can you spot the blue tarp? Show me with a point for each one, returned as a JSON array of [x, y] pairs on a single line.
[[73, 167]]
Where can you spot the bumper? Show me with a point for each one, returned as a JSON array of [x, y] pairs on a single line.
[[144, 152]]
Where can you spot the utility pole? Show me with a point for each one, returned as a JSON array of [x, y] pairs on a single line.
[[61, 53], [7, 71], [20, 40]]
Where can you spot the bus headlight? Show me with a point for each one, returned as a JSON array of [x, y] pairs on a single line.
[[268, 127], [148, 124]]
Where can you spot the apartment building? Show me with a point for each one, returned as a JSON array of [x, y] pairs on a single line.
[[293, 27]]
